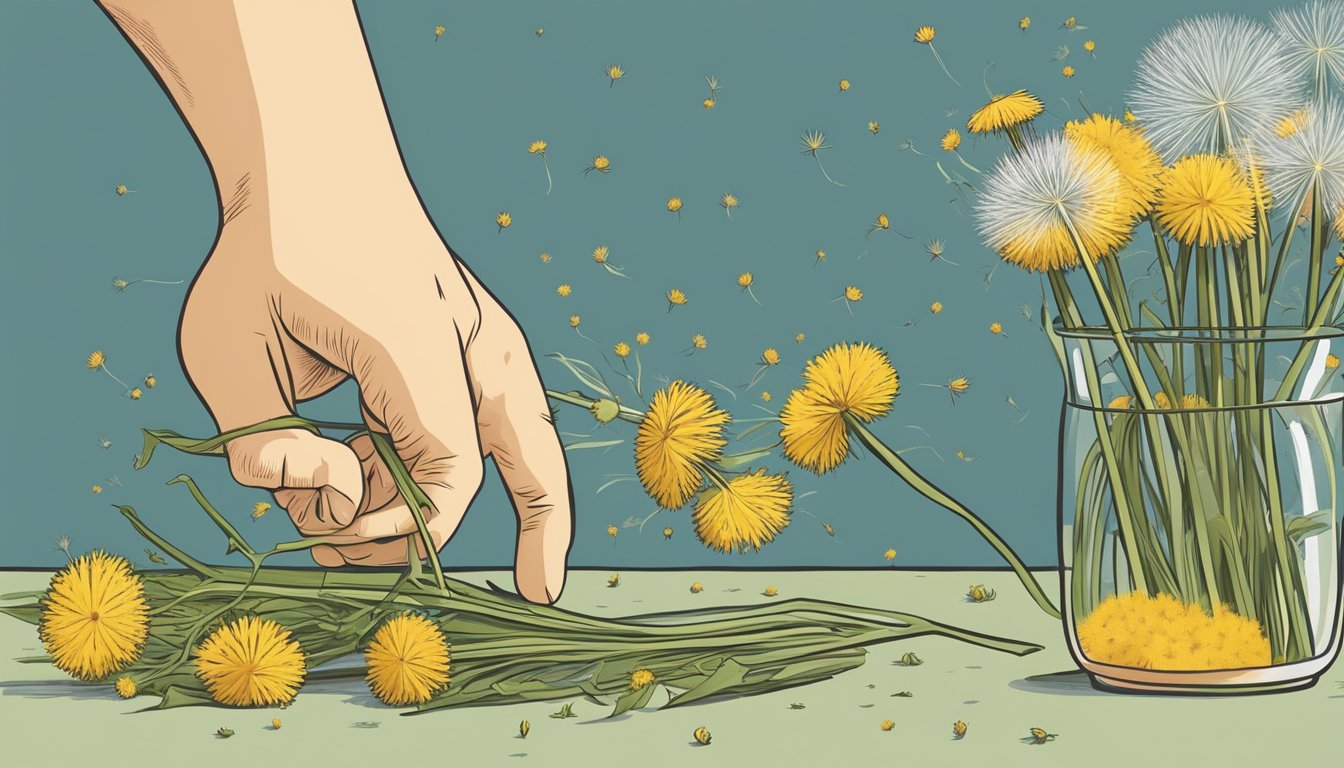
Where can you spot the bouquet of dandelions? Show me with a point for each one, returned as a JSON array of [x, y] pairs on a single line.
[[1198, 441]]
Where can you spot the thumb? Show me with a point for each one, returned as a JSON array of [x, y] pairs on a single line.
[[319, 481]]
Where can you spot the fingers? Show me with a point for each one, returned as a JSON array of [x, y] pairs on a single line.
[[516, 428], [317, 480]]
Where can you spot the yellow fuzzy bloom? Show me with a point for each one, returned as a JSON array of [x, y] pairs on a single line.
[[853, 293], [889, 555], [936, 307], [874, 127], [745, 279], [94, 617], [438, 32], [504, 220], [537, 148], [96, 359], [676, 297], [1205, 200], [1331, 362], [600, 254], [887, 725], [959, 385], [697, 588], [574, 321], [612, 531], [601, 164], [698, 341], [1003, 112], [1090, 46], [1162, 632], [951, 140], [1121, 402], [1067, 71], [408, 660], [673, 204], [126, 687], [682, 431], [959, 729], [766, 396], [640, 678], [563, 290], [770, 591], [545, 257], [249, 662], [96, 489], [1139, 165], [924, 35], [996, 328], [844, 85], [882, 222], [849, 378], [136, 393], [621, 350], [1024, 23], [729, 201], [260, 509], [770, 356], [641, 338], [708, 103], [614, 72]]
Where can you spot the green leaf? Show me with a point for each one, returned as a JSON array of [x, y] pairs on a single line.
[[593, 444], [734, 460], [584, 372], [1306, 526], [728, 676], [213, 446], [635, 699], [177, 696]]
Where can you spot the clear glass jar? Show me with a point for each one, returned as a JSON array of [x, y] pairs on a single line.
[[1199, 508]]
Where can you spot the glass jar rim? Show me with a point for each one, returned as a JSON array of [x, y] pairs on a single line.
[[1189, 334]]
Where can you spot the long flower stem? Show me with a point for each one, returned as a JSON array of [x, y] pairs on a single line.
[[928, 490]]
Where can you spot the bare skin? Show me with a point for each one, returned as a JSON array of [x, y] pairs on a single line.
[[327, 267]]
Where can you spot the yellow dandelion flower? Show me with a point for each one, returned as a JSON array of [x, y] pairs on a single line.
[[697, 588], [1024, 23], [853, 293], [1163, 632], [1005, 114], [504, 220], [1069, 23], [887, 725], [770, 591], [800, 338], [408, 660], [682, 431], [136, 393], [438, 32], [728, 202], [889, 555], [1331, 362], [96, 359], [674, 206], [997, 329], [537, 148], [1139, 165], [701, 735], [260, 509], [936, 307], [612, 531], [924, 35], [667, 533], [614, 580], [545, 257], [766, 396], [621, 350], [563, 290], [250, 661], [699, 341], [744, 280], [275, 724], [640, 678], [708, 103], [601, 164], [126, 687], [121, 190], [959, 729], [675, 298], [882, 221], [821, 256], [1090, 46], [1205, 200], [600, 254], [874, 127], [1067, 71], [641, 338], [959, 385], [94, 617], [854, 379], [151, 381], [951, 140], [770, 356], [96, 489], [844, 85], [614, 72], [574, 321]]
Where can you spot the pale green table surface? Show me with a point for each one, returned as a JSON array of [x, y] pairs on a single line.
[[46, 718]]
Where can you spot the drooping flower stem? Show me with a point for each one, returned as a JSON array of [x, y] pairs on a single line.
[[928, 490], [1319, 234]]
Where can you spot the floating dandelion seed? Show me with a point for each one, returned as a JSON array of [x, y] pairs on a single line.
[[800, 338], [98, 361], [936, 307], [713, 83], [1211, 83], [681, 433], [844, 85], [614, 72], [1091, 47], [955, 388], [601, 164], [766, 396], [675, 298], [135, 394], [745, 281], [121, 284], [122, 190], [924, 36], [698, 342], [438, 32], [260, 509], [951, 142], [883, 223], [769, 359], [1313, 39], [1311, 158], [612, 531], [539, 148], [545, 257], [1071, 24], [574, 321], [814, 142], [674, 206], [821, 256], [96, 490], [563, 290], [151, 381], [408, 660], [850, 295], [1024, 23], [63, 545], [1007, 114], [641, 338], [503, 220], [997, 330], [729, 201], [1067, 71], [540, 31], [889, 555], [874, 127], [935, 250], [600, 258], [1061, 53], [962, 455]]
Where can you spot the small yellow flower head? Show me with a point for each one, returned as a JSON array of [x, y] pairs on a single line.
[[640, 678], [136, 393], [612, 531], [708, 103], [1067, 71], [959, 385], [1070, 23], [601, 164], [642, 338], [853, 293], [1205, 200], [800, 338], [951, 140], [744, 280], [1090, 46], [821, 256], [681, 432], [250, 662], [980, 593], [676, 297], [438, 32], [97, 489], [849, 379], [674, 204], [667, 533], [887, 725], [697, 588], [151, 381], [924, 35], [1331, 362], [889, 555], [766, 396], [882, 221], [121, 190], [574, 321], [770, 356], [844, 85], [701, 735], [614, 73], [537, 147], [260, 509], [563, 290], [936, 307], [874, 127], [614, 580], [524, 728], [1129, 116], [545, 257], [1024, 23], [698, 341], [621, 350], [504, 220], [1123, 402], [126, 687], [1039, 736], [95, 360], [408, 660], [276, 724], [770, 591], [996, 328], [959, 729], [540, 31], [600, 254], [729, 201]]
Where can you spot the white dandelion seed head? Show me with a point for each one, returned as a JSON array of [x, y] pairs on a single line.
[[1314, 155], [1313, 42], [1027, 196], [1212, 82]]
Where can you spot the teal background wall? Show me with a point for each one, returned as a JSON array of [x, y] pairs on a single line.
[[79, 114]]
